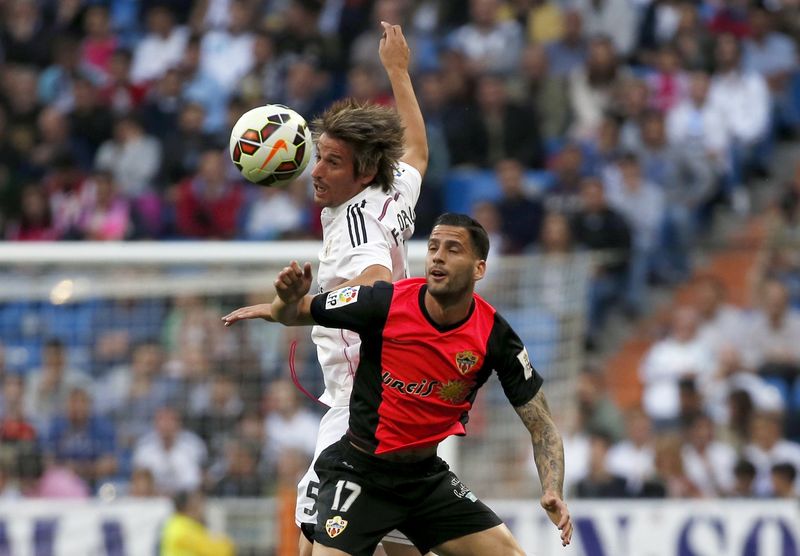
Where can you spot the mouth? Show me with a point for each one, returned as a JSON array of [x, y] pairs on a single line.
[[438, 274], [320, 189]]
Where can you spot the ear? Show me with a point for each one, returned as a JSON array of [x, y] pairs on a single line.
[[480, 270], [366, 179]]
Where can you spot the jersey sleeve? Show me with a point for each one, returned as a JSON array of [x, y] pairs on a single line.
[[510, 358], [369, 241], [362, 309], [407, 182]]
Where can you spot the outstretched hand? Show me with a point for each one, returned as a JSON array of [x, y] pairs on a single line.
[[293, 282], [393, 48], [261, 311], [558, 513]]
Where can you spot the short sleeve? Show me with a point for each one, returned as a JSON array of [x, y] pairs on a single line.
[[361, 309], [407, 182], [512, 363], [369, 241]]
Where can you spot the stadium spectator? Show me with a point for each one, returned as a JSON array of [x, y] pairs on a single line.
[[630, 103], [35, 222], [208, 203], [161, 48], [708, 463], [162, 104], [54, 86], [568, 170], [722, 324], [83, 441], [91, 121], [38, 479], [489, 42], [602, 151], [105, 214], [767, 447], [633, 457], [184, 146], [118, 325], [306, 87], [597, 410], [201, 86], [272, 213], [615, 19], [99, 41], [132, 393], [784, 477], [176, 457], [54, 139], [680, 355], [288, 425], [771, 347], [697, 125], [263, 82], [744, 474], [15, 424], [602, 230], [118, 92], [743, 96], [239, 471], [569, 52], [520, 212], [48, 387], [670, 479], [226, 55], [25, 38], [185, 533], [668, 84], [599, 482], [142, 484], [591, 87], [643, 205], [544, 92], [133, 159], [215, 417]]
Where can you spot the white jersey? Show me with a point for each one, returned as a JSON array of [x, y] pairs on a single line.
[[370, 229]]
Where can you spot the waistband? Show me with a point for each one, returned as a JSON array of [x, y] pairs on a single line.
[[393, 467]]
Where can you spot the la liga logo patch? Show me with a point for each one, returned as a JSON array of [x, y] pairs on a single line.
[[335, 526], [342, 297]]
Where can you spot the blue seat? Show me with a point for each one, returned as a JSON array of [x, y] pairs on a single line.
[[465, 187], [539, 331], [794, 399]]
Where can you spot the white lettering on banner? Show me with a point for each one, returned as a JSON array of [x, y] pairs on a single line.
[[660, 528]]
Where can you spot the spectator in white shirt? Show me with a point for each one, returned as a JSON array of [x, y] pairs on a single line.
[[680, 355], [697, 124], [634, 458], [708, 463], [132, 157], [615, 19], [489, 43], [162, 47], [227, 55], [173, 455], [722, 325], [288, 425], [767, 447], [743, 96]]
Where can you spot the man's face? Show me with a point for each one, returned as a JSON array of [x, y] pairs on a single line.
[[334, 177], [451, 265]]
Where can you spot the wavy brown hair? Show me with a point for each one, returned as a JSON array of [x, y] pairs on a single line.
[[374, 132]]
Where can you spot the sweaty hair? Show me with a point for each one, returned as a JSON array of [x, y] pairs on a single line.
[[477, 235], [374, 132]]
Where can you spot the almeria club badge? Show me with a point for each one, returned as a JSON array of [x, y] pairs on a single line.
[[465, 361], [335, 526]]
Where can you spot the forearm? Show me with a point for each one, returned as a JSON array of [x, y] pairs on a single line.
[[292, 314], [415, 139], [548, 448]]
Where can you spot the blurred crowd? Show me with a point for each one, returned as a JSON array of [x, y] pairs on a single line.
[[614, 126]]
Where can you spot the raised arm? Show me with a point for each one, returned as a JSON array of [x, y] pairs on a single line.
[[548, 453], [395, 56], [292, 307]]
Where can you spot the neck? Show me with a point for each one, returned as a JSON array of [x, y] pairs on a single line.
[[448, 310]]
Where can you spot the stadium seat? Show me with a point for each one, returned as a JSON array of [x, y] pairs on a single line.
[[465, 187], [538, 329]]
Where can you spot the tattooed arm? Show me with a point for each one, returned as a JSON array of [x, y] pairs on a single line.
[[548, 452]]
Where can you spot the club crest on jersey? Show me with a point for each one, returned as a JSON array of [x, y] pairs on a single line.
[[335, 526], [342, 297], [466, 360]]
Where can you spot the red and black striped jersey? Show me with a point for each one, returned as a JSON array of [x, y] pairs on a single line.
[[416, 381]]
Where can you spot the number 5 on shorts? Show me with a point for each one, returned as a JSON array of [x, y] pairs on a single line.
[[354, 489]]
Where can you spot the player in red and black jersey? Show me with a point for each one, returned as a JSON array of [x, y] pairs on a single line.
[[427, 346]]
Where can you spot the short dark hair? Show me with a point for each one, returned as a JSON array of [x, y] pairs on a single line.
[[785, 470], [743, 468], [477, 234]]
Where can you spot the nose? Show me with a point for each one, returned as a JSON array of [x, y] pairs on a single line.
[[316, 171]]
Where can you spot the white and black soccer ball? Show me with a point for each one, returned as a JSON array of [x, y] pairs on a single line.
[[271, 145]]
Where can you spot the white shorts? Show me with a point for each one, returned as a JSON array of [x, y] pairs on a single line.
[[332, 427]]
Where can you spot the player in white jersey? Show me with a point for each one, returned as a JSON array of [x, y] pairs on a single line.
[[367, 178]]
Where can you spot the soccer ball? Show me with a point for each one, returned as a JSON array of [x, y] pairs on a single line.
[[270, 145]]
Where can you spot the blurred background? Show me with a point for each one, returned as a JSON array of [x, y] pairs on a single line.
[[634, 161]]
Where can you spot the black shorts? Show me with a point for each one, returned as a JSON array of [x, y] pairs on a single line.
[[361, 498]]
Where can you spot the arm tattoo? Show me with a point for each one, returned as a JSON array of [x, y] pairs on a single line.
[[548, 449]]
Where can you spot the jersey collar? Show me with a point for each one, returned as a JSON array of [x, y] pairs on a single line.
[[433, 323]]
